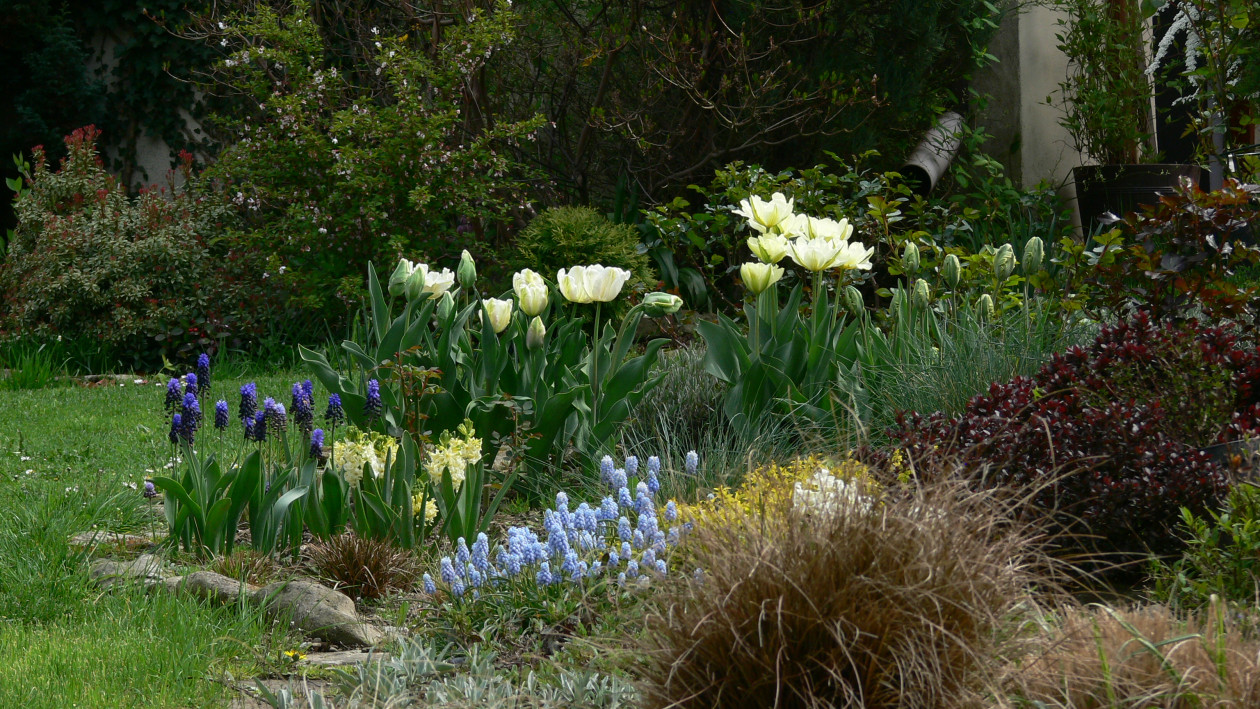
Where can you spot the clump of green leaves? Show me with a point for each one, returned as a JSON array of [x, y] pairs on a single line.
[[566, 236]]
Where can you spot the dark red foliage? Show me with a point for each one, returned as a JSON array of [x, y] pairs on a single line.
[[1107, 439]]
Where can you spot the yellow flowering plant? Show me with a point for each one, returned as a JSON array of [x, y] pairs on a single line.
[[456, 477]]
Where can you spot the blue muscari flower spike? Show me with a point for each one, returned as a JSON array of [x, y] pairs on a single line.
[[278, 418], [457, 589], [582, 570], [608, 510], [429, 587], [173, 396], [661, 568], [606, 469], [260, 426], [613, 559], [249, 401], [308, 388], [203, 373], [334, 414], [544, 574], [473, 576], [654, 465], [632, 568], [595, 569], [623, 529], [248, 423], [624, 499], [303, 412], [693, 462], [177, 427], [619, 479], [621, 579], [653, 483], [649, 558], [632, 465], [221, 414], [190, 384], [461, 552], [639, 541], [481, 552], [570, 565], [671, 511], [447, 573], [626, 552], [191, 410], [372, 407], [317, 444]]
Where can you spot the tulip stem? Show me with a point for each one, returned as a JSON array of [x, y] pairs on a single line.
[[596, 345]]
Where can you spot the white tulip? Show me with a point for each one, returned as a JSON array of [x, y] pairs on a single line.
[[770, 248], [820, 228], [758, 277], [604, 283], [531, 292], [814, 254], [854, 256], [572, 284], [500, 311], [766, 216], [536, 334], [436, 282]]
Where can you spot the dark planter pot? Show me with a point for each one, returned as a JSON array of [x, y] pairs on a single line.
[[1121, 189]]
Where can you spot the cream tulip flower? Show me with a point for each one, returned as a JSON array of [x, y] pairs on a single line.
[[500, 312], [770, 248], [758, 277], [572, 284], [436, 282], [814, 254], [821, 228], [854, 257], [604, 283], [766, 216], [531, 292]]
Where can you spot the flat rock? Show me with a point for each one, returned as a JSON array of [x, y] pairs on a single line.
[[318, 611], [145, 568], [216, 588], [101, 538], [344, 658]]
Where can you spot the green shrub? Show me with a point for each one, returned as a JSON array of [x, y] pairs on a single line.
[[563, 237], [88, 262], [1222, 556]]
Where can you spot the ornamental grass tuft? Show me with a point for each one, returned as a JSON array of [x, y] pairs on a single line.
[[363, 568], [894, 602]]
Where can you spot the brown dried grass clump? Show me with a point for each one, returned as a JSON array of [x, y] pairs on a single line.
[[902, 605], [1139, 658], [363, 568]]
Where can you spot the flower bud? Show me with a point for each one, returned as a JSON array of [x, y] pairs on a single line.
[[1004, 262], [415, 284], [499, 312], [951, 270], [758, 277], [398, 281], [853, 301], [445, 306], [921, 296], [910, 258], [536, 333], [658, 304], [466, 271], [1034, 252], [984, 307]]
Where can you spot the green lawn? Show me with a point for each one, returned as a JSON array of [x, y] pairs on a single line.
[[67, 457]]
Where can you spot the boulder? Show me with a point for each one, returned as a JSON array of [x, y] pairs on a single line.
[[216, 588], [317, 610], [145, 568]]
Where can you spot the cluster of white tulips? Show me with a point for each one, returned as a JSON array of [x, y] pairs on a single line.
[[815, 244]]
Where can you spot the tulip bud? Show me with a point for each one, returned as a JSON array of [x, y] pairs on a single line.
[[951, 270], [853, 301], [658, 304], [499, 312], [758, 277], [466, 271], [445, 306], [921, 296], [415, 284], [984, 307], [1004, 262], [535, 334], [910, 258], [1034, 252], [398, 281]]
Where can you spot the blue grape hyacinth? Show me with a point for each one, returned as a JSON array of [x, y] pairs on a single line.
[[373, 407], [303, 409], [177, 427], [317, 444], [221, 415], [334, 414], [203, 373], [190, 384], [173, 396], [249, 401]]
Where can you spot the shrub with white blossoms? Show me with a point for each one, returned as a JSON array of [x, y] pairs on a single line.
[[827, 495], [632, 531]]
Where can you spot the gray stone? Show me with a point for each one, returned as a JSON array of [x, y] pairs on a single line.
[[319, 611], [216, 588], [145, 568], [344, 658], [101, 538]]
